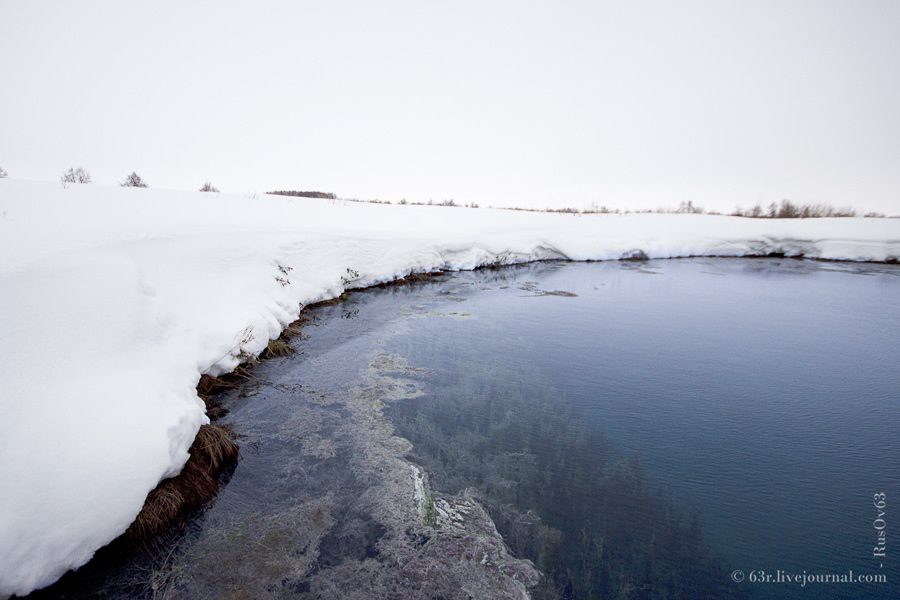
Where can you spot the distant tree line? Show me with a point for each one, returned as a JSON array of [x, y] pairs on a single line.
[[782, 210], [788, 210], [326, 195], [775, 210]]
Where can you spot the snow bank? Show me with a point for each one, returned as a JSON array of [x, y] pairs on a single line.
[[115, 300]]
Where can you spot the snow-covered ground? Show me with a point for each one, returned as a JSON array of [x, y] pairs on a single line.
[[115, 300]]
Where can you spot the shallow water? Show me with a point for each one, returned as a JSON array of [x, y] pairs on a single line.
[[604, 414]]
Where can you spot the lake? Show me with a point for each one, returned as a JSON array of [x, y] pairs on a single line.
[[760, 395], [705, 427]]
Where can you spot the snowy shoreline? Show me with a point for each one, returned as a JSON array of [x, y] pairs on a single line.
[[116, 300]]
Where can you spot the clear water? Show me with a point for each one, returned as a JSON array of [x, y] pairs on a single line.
[[762, 394], [638, 430]]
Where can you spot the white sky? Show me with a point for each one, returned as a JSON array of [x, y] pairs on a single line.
[[566, 103]]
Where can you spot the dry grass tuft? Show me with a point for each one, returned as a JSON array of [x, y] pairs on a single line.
[[277, 348], [215, 446], [294, 329], [414, 278], [209, 387], [420, 277], [211, 454], [333, 301]]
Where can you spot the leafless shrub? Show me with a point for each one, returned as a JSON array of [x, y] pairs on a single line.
[[134, 180], [73, 175], [689, 207], [788, 210], [844, 212]]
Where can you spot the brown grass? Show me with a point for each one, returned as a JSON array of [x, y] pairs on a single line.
[[211, 454], [276, 348], [333, 301], [214, 446], [209, 387], [294, 329], [417, 278]]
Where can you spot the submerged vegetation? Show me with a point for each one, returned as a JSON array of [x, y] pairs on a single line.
[[560, 499]]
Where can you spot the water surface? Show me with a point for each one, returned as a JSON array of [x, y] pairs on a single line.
[[759, 394], [636, 430]]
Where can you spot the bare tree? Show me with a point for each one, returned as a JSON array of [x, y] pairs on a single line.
[[788, 210], [78, 175], [208, 187], [690, 208], [134, 180], [2, 173]]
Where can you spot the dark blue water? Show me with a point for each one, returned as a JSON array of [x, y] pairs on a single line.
[[762, 395], [704, 428]]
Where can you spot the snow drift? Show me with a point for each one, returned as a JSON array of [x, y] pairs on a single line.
[[115, 300]]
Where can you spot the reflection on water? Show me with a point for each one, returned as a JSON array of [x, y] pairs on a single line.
[[637, 430]]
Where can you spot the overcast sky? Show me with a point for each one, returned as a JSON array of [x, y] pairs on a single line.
[[562, 103]]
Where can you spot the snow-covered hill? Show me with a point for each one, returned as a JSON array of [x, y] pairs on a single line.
[[113, 302]]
